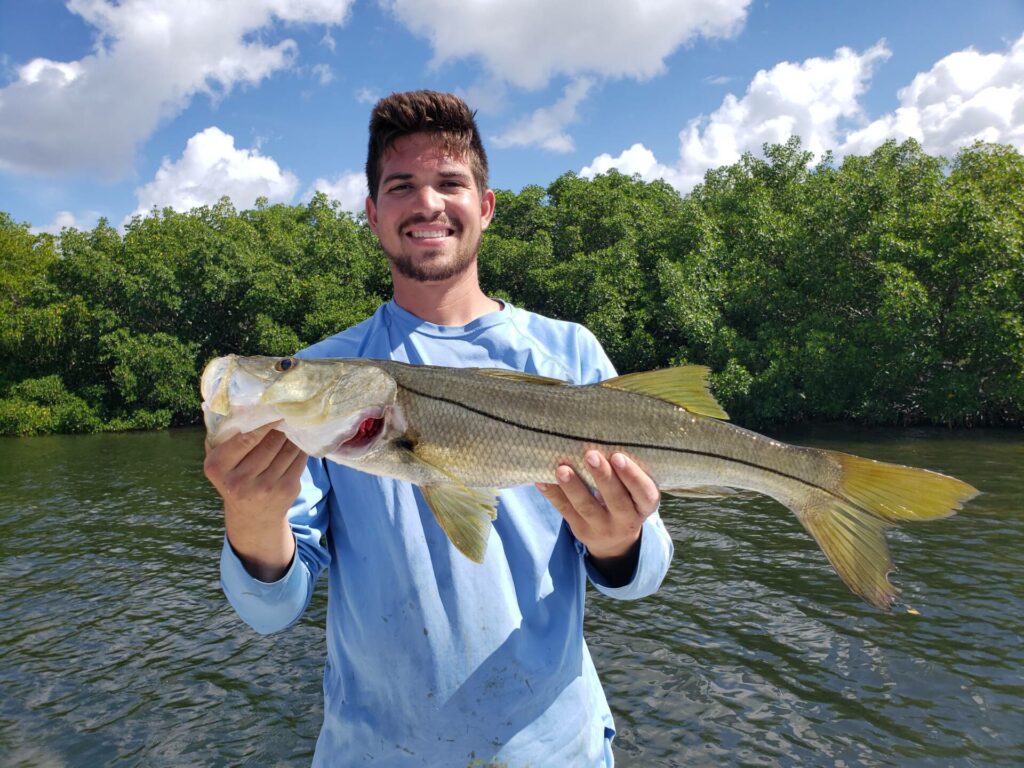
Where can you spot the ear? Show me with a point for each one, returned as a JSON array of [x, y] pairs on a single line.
[[486, 208], [371, 214]]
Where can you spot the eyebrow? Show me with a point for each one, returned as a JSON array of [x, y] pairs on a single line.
[[443, 174]]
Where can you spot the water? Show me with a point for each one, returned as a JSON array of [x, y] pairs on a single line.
[[117, 647]]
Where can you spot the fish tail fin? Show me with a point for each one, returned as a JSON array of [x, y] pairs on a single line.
[[849, 520]]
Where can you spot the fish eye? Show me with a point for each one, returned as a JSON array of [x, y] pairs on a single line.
[[285, 363]]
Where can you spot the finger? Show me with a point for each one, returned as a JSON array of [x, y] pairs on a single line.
[[559, 501], [577, 492], [262, 455], [231, 452], [610, 489], [283, 461], [641, 487]]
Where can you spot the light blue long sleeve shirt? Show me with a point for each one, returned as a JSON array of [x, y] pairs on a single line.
[[433, 660]]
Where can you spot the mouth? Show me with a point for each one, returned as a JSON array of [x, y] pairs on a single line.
[[429, 232]]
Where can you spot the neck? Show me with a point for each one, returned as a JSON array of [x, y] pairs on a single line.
[[459, 300]]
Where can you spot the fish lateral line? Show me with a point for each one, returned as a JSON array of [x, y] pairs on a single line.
[[642, 446]]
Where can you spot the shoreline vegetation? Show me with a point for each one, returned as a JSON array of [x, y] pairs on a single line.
[[883, 289]]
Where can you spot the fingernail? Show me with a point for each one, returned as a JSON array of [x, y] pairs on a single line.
[[618, 460], [542, 487], [593, 458], [563, 474]]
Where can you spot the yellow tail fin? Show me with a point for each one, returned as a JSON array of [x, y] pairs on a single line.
[[849, 523]]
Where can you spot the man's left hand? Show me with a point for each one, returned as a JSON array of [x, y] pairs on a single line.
[[608, 523]]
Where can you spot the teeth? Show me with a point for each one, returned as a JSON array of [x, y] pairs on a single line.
[[424, 234]]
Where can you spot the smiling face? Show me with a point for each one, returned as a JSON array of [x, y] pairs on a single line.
[[429, 214]]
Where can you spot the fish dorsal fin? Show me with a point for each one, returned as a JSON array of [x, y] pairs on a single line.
[[685, 386], [528, 378], [464, 513]]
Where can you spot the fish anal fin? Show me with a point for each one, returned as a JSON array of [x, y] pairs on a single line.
[[465, 515], [685, 386], [702, 492]]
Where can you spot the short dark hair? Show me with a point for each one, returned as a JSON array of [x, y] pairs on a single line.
[[445, 114]]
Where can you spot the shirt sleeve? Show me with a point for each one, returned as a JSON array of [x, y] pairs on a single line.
[[656, 551], [270, 607], [656, 546]]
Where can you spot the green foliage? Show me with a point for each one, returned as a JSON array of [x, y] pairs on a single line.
[[885, 289], [43, 406]]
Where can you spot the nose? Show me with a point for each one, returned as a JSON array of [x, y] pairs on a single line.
[[429, 201]]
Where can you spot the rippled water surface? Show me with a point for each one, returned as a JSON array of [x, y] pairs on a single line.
[[117, 647]]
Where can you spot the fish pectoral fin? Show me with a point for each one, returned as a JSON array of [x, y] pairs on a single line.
[[702, 492], [465, 515], [528, 378], [685, 386]]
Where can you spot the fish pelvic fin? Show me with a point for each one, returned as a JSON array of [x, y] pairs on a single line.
[[849, 523], [685, 386], [465, 515]]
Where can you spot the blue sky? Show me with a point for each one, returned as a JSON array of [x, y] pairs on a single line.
[[108, 109]]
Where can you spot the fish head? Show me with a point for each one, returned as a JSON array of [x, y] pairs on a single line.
[[324, 406]]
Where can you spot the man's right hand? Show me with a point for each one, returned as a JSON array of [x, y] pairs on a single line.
[[257, 474]]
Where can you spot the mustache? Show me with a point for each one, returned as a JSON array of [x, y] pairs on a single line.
[[441, 220]]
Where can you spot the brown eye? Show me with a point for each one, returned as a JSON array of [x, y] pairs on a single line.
[[284, 364]]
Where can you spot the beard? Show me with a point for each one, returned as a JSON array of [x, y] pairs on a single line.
[[435, 265]]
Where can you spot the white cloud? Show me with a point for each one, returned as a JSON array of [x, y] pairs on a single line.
[[637, 160], [527, 42], [151, 57], [211, 168], [349, 189], [813, 100], [966, 96], [60, 221], [545, 127], [324, 74], [367, 96]]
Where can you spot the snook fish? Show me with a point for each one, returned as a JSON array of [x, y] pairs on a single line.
[[462, 433]]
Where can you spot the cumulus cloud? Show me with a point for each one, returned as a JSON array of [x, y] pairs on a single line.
[[545, 127], [150, 59], [211, 167], [60, 221], [637, 160], [967, 96], [813, 99], [528, 42], [349, 189]]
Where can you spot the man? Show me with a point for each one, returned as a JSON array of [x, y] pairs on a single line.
[[433, 659]]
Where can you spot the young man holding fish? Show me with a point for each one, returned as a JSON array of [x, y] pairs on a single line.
[[434, 659]]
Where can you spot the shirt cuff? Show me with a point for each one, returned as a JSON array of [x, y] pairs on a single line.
[[265, 606], [652, 564]]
